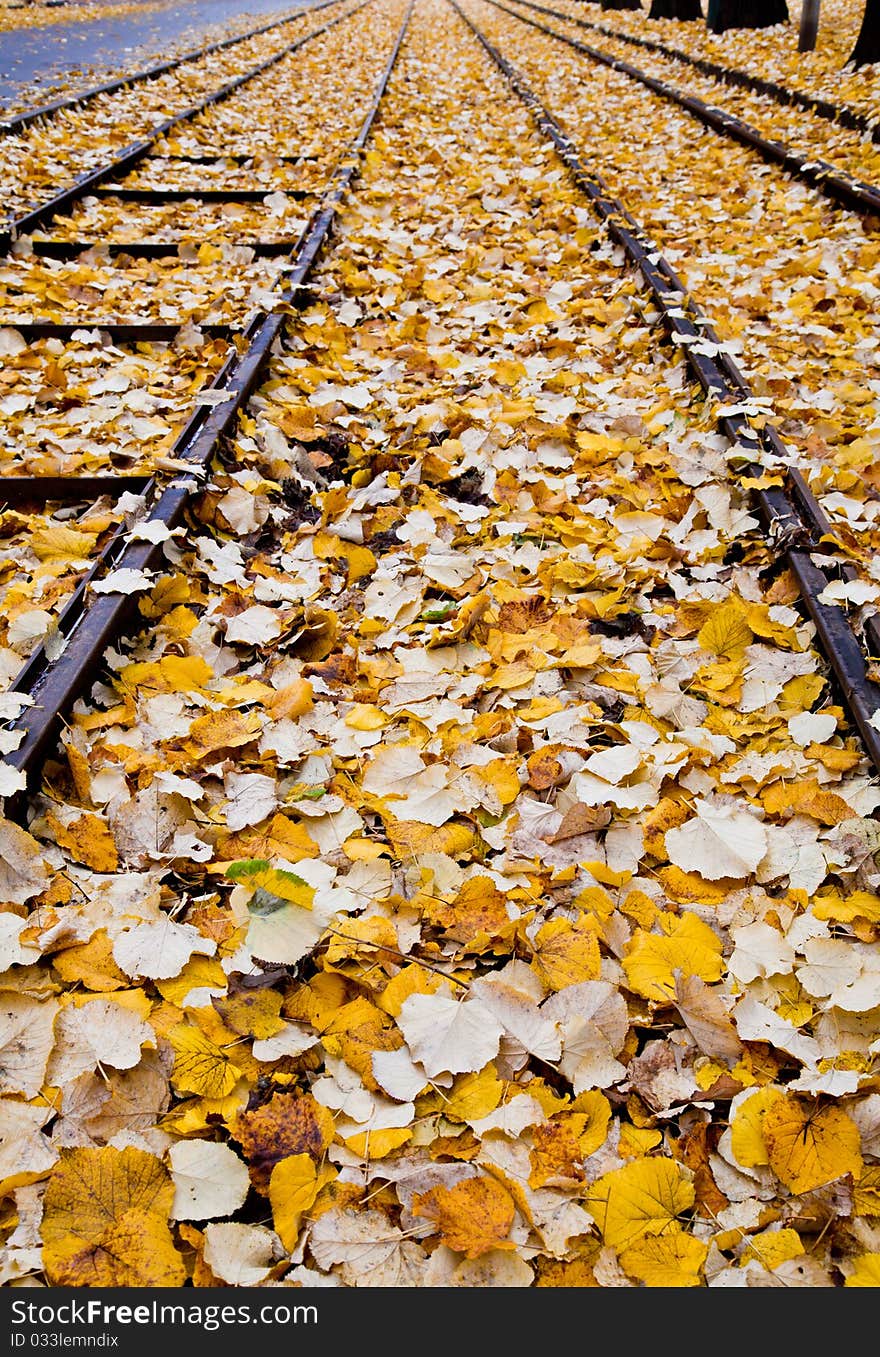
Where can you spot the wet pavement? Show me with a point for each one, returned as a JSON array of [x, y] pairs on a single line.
[[40, 64]]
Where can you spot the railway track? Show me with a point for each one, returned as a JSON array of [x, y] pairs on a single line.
[[469, 628], [19, 121], [63, 149], [828, 109], [822, 175], [792, 517], [88, 622]]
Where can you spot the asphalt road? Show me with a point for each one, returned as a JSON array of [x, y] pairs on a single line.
[[39, 64]]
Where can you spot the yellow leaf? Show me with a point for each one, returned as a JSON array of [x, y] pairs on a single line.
[[364, 940], [772, 1247], [199, 1065], [292, 701], [105, 1221], [259, 875], [690, 947], [596, 1109], [135, 1000], [472, 1217], [866, 1271], [282, 838], [378, 1144], [227, 729], [830, 904], [502, 777], [88, 840], [671, 1259], [409, 980], [247, 692], [566, 953], [747, 1129], [252, 1013], [198, 1115], [171, 674], [808, 1146], [409, 839], [726, 631], [61, 543], [691, 888], [866, 1192], [556, 1157], [642, 1198], [200, 972], [806, 798], [166, 599], [539, 313], [636, 1141], [473, 1095], [91, 964], [763, 625], [293, 1186], [365, 716]]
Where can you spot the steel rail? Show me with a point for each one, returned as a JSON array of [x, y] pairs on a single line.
[[842, 188], [790, 531], [131, 155], [849, 118], [17, 123], [88, 624]]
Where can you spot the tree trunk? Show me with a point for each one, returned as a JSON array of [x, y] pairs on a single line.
[[724, 14], [675, 9], [867, 48], [809, 26]]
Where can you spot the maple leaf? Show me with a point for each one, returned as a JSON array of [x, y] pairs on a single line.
[[105, 1221]]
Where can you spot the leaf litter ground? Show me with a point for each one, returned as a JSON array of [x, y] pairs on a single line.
[[468, 876]]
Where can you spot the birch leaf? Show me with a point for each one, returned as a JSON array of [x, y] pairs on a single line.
[[718, 842], [447, 1036], [105, 1221], [209, 1180]]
